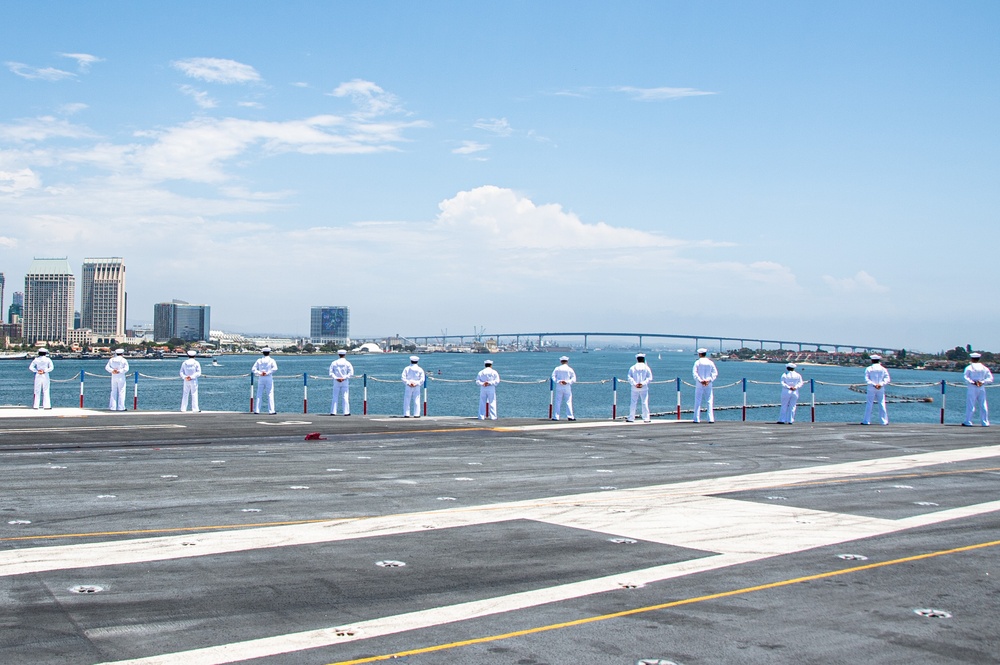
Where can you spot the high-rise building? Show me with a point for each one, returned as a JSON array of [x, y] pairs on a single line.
[[49, 288], [185, 321], [1, 296], [330, 324], [102, 298], [16, 307]]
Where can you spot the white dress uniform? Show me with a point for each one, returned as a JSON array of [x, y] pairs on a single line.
[[264, 370], [791, 381], [639, 377], [413, 379], [704, 370], [977, 376], [341, 370], [488, 378], [42, 367], [877, 377], [190, 371], [117, 367], [563, 378]]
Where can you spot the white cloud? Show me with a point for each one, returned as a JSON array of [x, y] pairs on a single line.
[[860, 282], [250, 105], [369, 98], [200, 97], [498, 126], [654, 94], [38, 73], [8, 243], [489, 249], [638, 94], [470, 147], [217, 70], [198, 149], [16, 182], [42, 129], [505, 219], [73, 108], [83, 60]]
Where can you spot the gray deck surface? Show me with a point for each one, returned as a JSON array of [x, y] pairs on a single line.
[[221, 537]]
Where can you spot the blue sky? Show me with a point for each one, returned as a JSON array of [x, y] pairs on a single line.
[[799, 170]]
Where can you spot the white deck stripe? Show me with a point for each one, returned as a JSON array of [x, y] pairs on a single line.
[[91, 428], [822, 534], [681, 514], [118, 552]]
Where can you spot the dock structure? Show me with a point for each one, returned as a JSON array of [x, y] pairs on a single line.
[[214, 538], [697, 340]]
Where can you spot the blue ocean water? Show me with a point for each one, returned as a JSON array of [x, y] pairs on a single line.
[[523, 391]]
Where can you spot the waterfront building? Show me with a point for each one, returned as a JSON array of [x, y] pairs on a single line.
[[1, 297], [10, 332], [49, 289], [80, 337], [191, 323], [330, 324], [102, 298]]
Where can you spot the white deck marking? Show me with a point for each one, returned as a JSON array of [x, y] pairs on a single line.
[[57, 412], [682, 514], [694, 499], [90, 428], [562, 424]]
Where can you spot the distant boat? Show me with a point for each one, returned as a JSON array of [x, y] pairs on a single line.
[[14, 356]]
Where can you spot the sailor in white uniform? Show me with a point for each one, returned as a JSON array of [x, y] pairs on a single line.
[[488, 378], [413, 379], [791, 381], [341, 370], [41, 366], [877, 377], [190, 371], [639, 377], [117, 367], [705, 373], [563, 378], [264, 370], [977, 377]]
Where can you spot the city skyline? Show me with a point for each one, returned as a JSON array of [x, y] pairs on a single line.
[[770, 169]]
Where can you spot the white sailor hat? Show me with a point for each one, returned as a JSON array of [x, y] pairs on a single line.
[[975, 355], [790, 366], [640, 356], [120, 352], [487, 362], [702, 351], [414, 359], [342, 352], [266, 349], [192, 353], [876, 357], [43, 350], [564, 359]]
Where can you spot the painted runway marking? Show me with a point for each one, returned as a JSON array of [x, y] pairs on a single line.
[[658, 513], [662, 606], [90, 428], [687, 514]]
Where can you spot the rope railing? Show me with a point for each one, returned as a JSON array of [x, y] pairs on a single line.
[[678, 382]]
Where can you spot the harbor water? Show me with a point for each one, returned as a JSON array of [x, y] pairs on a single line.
[[523, 391]]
